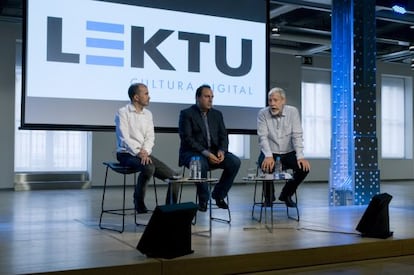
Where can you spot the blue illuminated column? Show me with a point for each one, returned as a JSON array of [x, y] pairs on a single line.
[[354, 174]]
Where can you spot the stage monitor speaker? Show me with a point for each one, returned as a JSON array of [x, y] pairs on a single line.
[[168, 233], [375, 221]]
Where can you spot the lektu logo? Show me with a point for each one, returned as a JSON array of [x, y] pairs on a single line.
[[140, 46]]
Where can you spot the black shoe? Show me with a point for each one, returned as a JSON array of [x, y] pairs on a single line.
[[141, 208], [269, 200], [202, 206], [221, 204], [267, 204], [288, 201]]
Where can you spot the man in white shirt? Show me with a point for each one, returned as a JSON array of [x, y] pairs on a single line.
[[280, 135], [135, 140]]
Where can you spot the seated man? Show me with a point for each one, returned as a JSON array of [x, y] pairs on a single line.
[[280, 135], [202, 133], [135, 139]]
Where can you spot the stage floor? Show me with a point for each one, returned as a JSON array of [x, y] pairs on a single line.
[[56, 230]]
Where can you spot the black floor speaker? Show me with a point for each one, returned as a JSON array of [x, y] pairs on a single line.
[[375, 221], [168, 233]]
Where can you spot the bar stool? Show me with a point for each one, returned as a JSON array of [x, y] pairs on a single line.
[[210, 204], [124, 170], [263, 204]]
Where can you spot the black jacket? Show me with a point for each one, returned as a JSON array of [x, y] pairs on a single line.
[[193, 133]]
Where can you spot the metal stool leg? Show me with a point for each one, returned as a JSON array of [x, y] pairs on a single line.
[[210, 205], [258, 203], [270, 228], [155, 191], [211, 217], [267, 185], [120, 211], [297, 210], [103, 199], [262, 202], [254, 199], [123, 205], [228, 220], [113, 211]]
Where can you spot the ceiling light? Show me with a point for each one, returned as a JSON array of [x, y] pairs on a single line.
[[275, 31], [399, 9]]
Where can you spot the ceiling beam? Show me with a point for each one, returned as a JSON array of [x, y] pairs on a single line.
[[281, 10]]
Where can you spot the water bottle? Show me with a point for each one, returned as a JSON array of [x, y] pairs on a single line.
[[198, 168], [193, 168], [278, 168]]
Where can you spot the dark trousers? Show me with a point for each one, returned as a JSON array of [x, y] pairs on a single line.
[[230, 166], [155, 169], [289, 161]]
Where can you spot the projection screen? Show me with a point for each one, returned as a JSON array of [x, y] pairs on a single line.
[[80, 56]]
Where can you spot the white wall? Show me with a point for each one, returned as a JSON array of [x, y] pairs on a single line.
[[285, 72]]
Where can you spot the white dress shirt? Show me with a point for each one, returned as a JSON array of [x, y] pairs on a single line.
[[134, 130], [280, 134]]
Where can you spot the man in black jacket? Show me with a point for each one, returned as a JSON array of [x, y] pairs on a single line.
[[203, 133]]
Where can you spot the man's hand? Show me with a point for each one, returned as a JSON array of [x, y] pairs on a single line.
[[304, 164], [268, 164], [213, 159], [145, 158], [220, 155]]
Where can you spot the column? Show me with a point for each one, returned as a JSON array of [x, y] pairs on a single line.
[[354, 174]]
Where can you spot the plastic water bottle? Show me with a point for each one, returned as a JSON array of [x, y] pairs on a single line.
[[198, 168], [195, 168], [278, 168]]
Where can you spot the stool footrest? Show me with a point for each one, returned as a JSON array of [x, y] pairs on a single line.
[[120, 211], [265, 205], [220, 220]]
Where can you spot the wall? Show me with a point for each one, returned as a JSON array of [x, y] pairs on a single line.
[[285, 72], [10, 32]]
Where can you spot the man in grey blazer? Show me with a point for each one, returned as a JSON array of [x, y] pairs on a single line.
[[203, 133]]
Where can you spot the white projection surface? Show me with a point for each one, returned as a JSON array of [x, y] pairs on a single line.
[[82, 55]]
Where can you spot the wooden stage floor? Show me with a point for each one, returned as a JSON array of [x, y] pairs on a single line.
[[48, 231]]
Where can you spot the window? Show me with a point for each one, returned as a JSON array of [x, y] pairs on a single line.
[[46, 151], [396, 118], [240, 145], [316, 113], [50, 151]]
